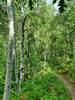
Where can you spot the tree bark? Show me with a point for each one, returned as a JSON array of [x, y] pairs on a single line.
[[22, 45], [10, 50]]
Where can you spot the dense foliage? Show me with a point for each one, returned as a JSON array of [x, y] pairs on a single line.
[[49, 43]]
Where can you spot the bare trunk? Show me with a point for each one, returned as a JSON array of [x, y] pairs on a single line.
[[16, 70], [74, 50], [45, 58], [22, 46], [10, 51]]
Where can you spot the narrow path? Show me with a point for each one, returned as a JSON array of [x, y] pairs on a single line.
[[68, 84]]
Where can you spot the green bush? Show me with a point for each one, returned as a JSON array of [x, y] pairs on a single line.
[[44, 87]]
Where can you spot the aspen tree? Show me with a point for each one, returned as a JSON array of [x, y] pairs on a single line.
[[10, 50], [22, 19]]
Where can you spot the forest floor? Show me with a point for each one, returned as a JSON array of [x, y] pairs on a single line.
[[68, 84]]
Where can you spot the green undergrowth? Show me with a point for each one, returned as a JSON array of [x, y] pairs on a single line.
[[44, 86], [66, 69]]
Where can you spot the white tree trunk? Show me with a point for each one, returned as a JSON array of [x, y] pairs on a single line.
[[22, 46], [10, 51]]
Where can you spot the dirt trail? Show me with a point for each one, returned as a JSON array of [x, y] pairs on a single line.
[[68, 84]]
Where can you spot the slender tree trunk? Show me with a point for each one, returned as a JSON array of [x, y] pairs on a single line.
[[29, 60], [22, 46], [16, 70], [74, 50], [45, 58], [10, 50]]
